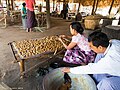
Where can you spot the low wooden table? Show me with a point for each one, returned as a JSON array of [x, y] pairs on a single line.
[[41, 18], [24, 50], [42, 63], [11, 17]]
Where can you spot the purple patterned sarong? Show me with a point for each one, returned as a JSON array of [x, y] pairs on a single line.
[[31, 21], [77, 56]]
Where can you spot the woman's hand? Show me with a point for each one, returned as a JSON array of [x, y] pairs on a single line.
[[65, 69], [60, 39], [62, 36]]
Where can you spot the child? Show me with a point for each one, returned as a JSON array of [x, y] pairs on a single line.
[[24, 16], [78, 51]]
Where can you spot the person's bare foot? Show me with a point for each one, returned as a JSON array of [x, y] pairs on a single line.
[[30, 30], [27, 30]]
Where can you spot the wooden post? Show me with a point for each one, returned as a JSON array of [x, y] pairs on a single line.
[[78, 8], [22, 67], [48, 13], [53, 5], [6, 2], [96, 6], [111, 6], [12, 4], [93, 7], [64, 2], [5, 20]]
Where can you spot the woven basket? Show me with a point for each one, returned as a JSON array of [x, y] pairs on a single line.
[[92, 21], [91, 24]]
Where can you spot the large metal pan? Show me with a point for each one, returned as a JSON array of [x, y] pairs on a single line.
[[54, 80]]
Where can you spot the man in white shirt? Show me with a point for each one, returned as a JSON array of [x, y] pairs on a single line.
[[107, 67]]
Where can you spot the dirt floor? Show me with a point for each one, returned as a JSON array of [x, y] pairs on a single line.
[[9, 71]]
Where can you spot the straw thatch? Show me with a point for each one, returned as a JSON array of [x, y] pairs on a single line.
[[101, 3], [104, 3]]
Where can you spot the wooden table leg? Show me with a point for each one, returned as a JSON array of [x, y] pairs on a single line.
[[22, 67]]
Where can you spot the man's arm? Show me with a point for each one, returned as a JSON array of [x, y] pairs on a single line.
[[101, 67]]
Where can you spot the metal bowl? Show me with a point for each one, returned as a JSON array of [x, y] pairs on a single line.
[[54, 80]]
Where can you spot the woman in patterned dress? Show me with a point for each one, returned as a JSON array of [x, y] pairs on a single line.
[[78, 51]]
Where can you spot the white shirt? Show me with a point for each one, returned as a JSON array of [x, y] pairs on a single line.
[[109, 64]]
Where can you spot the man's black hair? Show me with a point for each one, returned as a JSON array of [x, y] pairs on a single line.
[[98, 39], [77, 26]]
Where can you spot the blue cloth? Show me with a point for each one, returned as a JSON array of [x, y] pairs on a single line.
[[106, 81], [99, 77], [24, 18], [24, 22], [110, 83]]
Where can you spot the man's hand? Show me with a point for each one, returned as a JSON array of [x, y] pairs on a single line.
[[65, 69]]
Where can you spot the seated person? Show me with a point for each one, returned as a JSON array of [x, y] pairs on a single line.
[[78, 51], [78, 17]]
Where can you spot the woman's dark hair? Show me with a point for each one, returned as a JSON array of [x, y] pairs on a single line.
[[77, 26], [24, 4], [98, 39]]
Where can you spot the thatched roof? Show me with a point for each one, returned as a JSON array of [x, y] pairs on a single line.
[[104, 3], [101, 3]]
